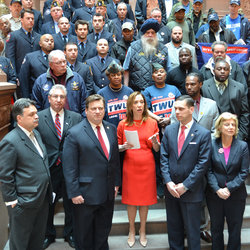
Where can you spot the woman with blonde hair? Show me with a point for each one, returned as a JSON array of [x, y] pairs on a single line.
[[226, 194], [139, 178]]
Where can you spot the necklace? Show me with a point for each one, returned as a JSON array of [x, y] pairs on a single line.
[[115, 90]]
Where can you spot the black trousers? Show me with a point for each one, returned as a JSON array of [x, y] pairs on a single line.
[[59, 188], [27, 226], [92, 225], [183, 217], [232, 211]]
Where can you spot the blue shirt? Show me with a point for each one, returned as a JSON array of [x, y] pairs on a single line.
[[116, 103], [233, 25], [161, 100]]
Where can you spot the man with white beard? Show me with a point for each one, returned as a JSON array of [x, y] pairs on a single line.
[[141, 54]]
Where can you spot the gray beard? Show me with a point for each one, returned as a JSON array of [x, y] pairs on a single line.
[[149, 47]]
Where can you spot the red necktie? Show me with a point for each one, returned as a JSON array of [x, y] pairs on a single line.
[[181, 139], [100, 138], [59, 134]]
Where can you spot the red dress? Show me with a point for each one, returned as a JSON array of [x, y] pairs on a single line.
[[139, 177]]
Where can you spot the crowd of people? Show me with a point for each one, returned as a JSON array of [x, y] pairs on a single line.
[[111, 101]]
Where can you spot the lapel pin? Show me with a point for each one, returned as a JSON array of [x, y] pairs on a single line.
[[67, 123], [221, 150], [107, 127], [192, 134]]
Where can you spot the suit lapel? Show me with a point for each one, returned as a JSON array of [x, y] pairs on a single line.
[[213, 91], [109, 133], [98, 63], [174, 132], [39, 141], [90, 132], [49, 121], [22, 33], [66, 123], [233, 152], [28, 143], [42, 60], [220, 153]]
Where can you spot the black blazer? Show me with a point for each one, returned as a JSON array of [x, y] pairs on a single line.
[[34, 64], [18, 45], [86, 169], [24, 173], [48, 132], [231, 175]]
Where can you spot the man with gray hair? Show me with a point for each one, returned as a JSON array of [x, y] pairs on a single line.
[[54, 122], [140, 56], [60, 73], [25, 178]]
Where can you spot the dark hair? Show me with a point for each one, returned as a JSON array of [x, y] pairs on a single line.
[[129, 112], [69, 43], [189, 100], [98, 14], [20, 105], [198, 75], [81, 22], [219, 60], [23, 11], [93, 98]]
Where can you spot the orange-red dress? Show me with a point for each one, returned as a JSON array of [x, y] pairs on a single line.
[[139, 177]]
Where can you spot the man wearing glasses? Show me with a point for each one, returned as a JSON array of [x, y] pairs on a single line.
[[60, 73]]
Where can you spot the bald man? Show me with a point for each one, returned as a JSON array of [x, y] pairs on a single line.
[[35, 64]]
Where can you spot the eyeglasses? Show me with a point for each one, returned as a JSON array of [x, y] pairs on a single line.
[[60, 62], [58, 96]]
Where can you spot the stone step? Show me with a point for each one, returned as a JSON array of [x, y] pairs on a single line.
[[160, 204], [156, 223], [155, 242]]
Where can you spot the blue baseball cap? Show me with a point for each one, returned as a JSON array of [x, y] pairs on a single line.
[[237, 2], [200, 1], [213, 17]]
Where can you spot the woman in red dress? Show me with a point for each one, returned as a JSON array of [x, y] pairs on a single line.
[[139, 179]]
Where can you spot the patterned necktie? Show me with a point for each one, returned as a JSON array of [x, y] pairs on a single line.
[[100, 138], [181, 139], [29, 35], [82, 46], [102, 61], [59, 134], [221, 87], [72, 67], [58, 127]]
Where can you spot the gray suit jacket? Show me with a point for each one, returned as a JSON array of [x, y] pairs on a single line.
[[24, 173], [237, 100], [208, 114], [49, 135]]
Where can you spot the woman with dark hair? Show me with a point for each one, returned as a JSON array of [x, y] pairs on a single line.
[[139, 179], [226, 194]]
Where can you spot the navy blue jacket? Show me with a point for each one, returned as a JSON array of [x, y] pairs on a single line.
[[112, 13], [7, 68], [38, 21], [76, 4], [106, 35], [49, 28], [99, 75], [76, 91], [87, 53], [58, 41], [34, 64], [18, 45], [83, 13]]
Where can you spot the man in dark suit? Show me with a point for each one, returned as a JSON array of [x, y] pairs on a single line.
[[112, 10], [230, 96], [92, 174], [86, 49], [76, 4], [185, 153], [63, 36], [84, 13], [25, 178], [38, 20], [98, 22], [71, 52], [22, 41], [99, 64], [120, 20], [53, 134], [34, 64]]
